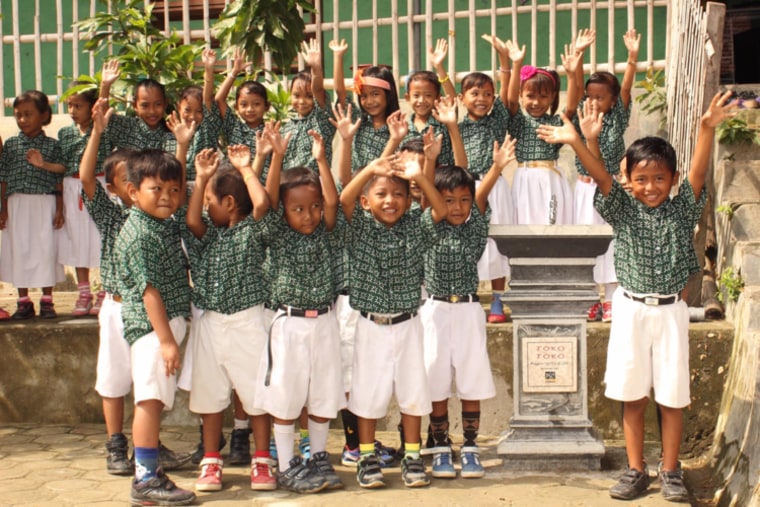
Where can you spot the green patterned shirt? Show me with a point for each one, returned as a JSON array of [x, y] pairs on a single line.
[[206, 136], [298, 153], [611, 142], [131, 132], [447, 155], [227, 267], [149, 251], [387, 262], [654, 252], [109, 217], [529, 146], [238, 132], [369, 142], [300, 266], [21, 176], [451, 265], [478, 137], [73, 144]]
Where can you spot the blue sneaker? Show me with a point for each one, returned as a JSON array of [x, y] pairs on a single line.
[[273, 449], [350, 457], [385, 455], [496, 314], [304, 447], [470, 460], [443, 467]]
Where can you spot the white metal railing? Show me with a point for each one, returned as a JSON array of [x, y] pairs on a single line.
[[328, 29]]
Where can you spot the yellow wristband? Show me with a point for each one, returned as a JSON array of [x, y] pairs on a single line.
[[443, 79], [631, 62], [247, 177]]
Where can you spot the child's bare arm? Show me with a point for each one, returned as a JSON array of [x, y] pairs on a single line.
[[183, 134], [239, 63], [386, 166], [108, 76], [631, 39], [339, 49], [206, 164], [571, 60], [240, 158], [34, 157], [504, 72], [413, 171], [209, 61], [517, 54], [89, 163], [156, 310], [329, 191], [279, 145], [312, 56], [446, 112], [398, 128], [347, 130], [718, 111], [502, 155], [437, 56], [583, 41]]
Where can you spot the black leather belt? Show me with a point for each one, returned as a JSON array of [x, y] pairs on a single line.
[[384, 320], [453, 298], [652, 300], [300, 312]]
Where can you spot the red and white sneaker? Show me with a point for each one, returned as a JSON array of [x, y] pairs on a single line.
[[262, 477], [211, 475], [594, 312], [95, 310], [4, 315], [83, 305], [607, 311]]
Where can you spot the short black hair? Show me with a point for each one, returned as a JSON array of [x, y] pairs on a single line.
[[425, 76], [40, 101], [607, 79], [113, 160], [298, 177], [90, 95], [476, 80], [228, 181], [192, 91], [450, 177], [149, 83], [153, 164], [650, 149], [414, 145], [540, 82], [367, 186], [254, 88]]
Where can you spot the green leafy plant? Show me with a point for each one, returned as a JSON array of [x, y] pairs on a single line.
[[141, 49], [735, 131], [731, 285], [653, 99], [727, 209], [264, 25]]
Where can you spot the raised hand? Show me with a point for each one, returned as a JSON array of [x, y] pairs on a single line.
[[719, 110], [101, 114], [445, 110], [317, 146], [240, 156], [585, 38], [279, 143], [110, 72], [499, 45], [516, 53], [339, 48], [342, 122], [570, 59], [632, 39], [206, 163], [504, 154], [183, 132], [438, 55], [263, 143], [208, 57], [397, 125], [311, 53], [565, 134], [239, 61], [432, 144], [590, 120]]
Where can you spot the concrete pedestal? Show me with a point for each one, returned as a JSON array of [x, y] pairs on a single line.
[[551, 288]]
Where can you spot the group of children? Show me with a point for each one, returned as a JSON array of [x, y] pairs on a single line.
[[312, 297]]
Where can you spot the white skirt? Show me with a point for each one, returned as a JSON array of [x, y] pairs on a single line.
[[492, 263], [585, 213], [28, 254], [79, 241], [533, 189]]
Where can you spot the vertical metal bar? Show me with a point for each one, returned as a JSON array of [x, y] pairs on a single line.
[[592, 23], [428, 34], [355, 37], [59, 50], [553, 34], [452, 40], [37, 48], [74, 39], [611, 35], [186, 21], [533, 32], [2, 66], [472, 36], [394, 39]]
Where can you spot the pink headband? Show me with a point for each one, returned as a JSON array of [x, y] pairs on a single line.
[[360, 80], [528, 71]]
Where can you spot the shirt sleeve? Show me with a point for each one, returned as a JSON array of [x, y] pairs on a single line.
[[611, 207]]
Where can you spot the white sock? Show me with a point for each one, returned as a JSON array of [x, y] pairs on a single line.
[[284, 438], [609, 290], [318, 435], [241, 424]]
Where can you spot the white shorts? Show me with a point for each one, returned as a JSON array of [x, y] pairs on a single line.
[[148, 368], [185, 380], [28, 251], [456, 347], [114, 370], [79, 244], [347, 319], [389, 360], [533, 189], [585, 213], [648, 348], [492, 264], [226, 352], [305, 369]]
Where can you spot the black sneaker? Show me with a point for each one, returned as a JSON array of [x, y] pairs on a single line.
[[47, 310], [199, 452], [299, 478], [368, 473], [170, 460], [672, 486], [23, 311], [413, 472], [631, 484], [240, 448], [117, 461], [320, 464], [160, 490]]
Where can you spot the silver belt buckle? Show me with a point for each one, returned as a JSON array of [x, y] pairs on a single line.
[[651, 301], [381, 320]]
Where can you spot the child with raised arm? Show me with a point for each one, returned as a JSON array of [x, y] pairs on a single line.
[[540, 189], [301, 366], [452, 317], [230, 290], [614, 100], [654, 256], [386, 244], [487, 120], [32, 207]]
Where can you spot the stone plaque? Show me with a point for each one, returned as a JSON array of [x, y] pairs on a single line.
[[550, 364]]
